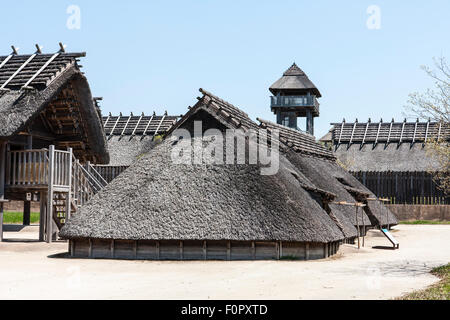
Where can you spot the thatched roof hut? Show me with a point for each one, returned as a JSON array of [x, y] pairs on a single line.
[[163, 210], [319, 165], [48, 97]]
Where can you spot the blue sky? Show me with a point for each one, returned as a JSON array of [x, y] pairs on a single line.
[[154, 55]]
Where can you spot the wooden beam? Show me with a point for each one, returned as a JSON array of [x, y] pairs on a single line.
[[53, 57], [148, 125], [17, 71], [137, 125], [378, 132]]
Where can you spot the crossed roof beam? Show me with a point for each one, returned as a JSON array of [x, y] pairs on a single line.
[[25, 81]]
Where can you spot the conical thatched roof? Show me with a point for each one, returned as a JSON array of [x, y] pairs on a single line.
[[294, 79], [157, 199]]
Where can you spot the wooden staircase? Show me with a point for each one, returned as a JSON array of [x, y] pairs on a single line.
[[86, 182]]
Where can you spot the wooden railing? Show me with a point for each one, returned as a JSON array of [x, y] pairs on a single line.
[[27, 167], [30, 168], [86, 182], [61, 164]]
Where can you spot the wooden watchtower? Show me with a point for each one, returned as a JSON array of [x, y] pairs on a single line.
[[50, 133], [294, 95]]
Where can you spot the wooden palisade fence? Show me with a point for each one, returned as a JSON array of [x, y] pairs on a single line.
[[410, 187]]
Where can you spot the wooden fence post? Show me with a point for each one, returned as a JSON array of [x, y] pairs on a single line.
[[2, 183], [69, 194], [51, 176]]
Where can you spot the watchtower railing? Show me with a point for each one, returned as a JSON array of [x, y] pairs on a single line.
[[294, 101]]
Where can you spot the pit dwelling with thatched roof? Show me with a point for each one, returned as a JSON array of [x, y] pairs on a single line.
[[164, 209]]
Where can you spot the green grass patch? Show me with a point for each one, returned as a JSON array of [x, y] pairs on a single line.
[[17, 217], [424, 222], [438, 291]]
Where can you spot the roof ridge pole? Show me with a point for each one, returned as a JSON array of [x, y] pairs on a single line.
[[137, 125], [401, 134], [426, 131], [115, 124], [14, 53], [18, 70], [159, 126], [415, 130], [148, 125], [53, 57], [365, 133], [353, 132], [378, 133], [389, 134], [126, 124], [340, 133], [107, 119]]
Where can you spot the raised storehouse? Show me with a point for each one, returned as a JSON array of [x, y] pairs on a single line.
[[49, 126], [163, 209], [391, 158]]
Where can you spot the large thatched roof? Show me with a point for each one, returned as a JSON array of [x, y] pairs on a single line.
[[320, 166], [158, 199], [294, 80], [34, 87], [391, 157], [386, 146]]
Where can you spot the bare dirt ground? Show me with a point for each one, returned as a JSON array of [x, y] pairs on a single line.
[[30, 270]]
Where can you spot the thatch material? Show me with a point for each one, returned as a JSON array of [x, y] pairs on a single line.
[[298, 141], [156, 199], [391, 157], [123, 151], [18, 107], [296, 81], [327, 174], [129, 137]]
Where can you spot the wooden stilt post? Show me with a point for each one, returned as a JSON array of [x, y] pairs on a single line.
[[1, 221], [26, 213], [2, 184], [69, 194], [51, 176], [26, 203], [42, 214], [357, 227]]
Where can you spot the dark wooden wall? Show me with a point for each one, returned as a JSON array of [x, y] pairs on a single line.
[[412, 187], [109, 173]]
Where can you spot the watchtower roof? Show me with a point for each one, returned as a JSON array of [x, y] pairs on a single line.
[[294, 79]]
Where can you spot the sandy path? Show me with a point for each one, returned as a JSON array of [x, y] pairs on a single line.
[[27, 271]]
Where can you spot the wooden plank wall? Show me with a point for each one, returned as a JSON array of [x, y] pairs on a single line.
[[413, 187], [200, 250], [109, 173]]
